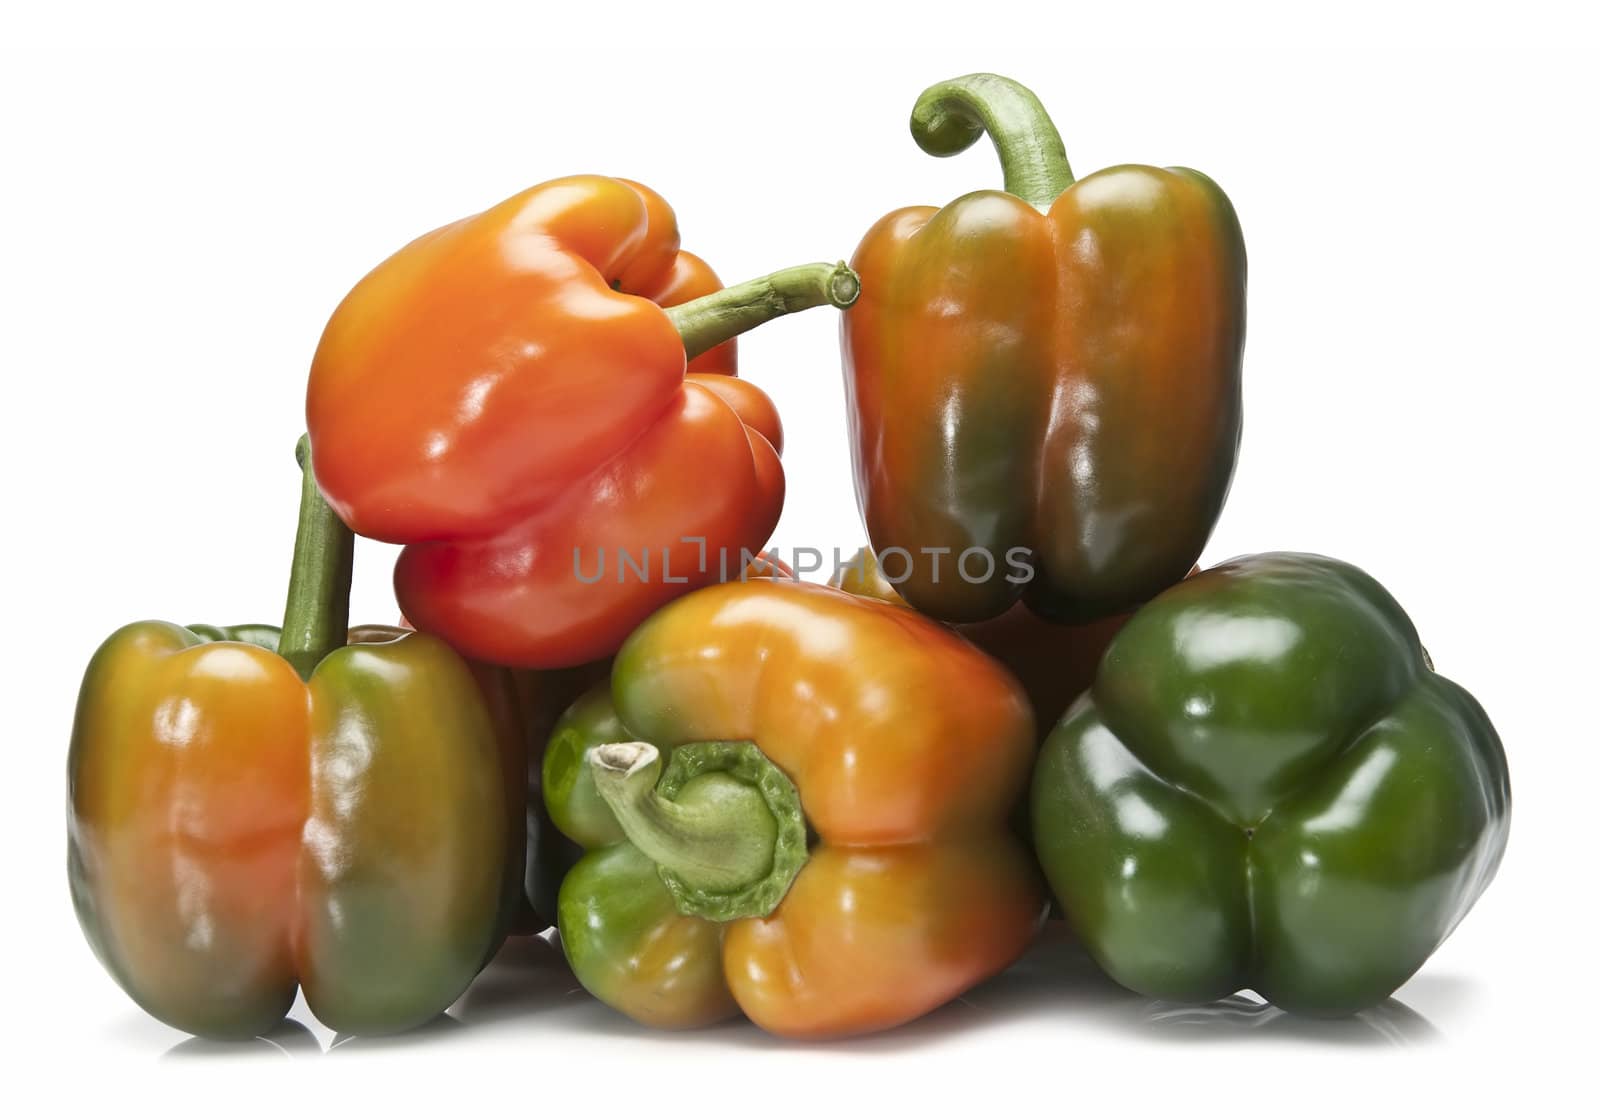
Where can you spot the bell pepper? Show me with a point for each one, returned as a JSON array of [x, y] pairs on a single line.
[[794, 803], [546, 696], [250, 811], [1269, 787], [1044, 382], [539, 402], [1055, 662]]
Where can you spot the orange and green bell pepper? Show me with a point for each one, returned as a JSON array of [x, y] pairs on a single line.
[[251, 812], [794, 803], [539, 401], [1269, 787], [1044, 382]]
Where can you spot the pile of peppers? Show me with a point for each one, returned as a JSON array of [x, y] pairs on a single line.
[[608, 719]]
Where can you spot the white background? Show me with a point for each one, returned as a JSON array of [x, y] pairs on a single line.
[[1418, 193]]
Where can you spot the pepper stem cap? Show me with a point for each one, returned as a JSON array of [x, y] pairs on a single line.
[[722, 823]]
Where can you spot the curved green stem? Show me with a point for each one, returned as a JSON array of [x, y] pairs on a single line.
[[720, 841], [951, 116], [713, 319], [722, 823], [317, 613]]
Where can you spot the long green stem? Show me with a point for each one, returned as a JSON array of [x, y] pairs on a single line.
[[951, 116], [713, 319], [722, 823], [316, 616]]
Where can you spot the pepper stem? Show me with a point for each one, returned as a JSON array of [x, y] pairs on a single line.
[[317, 613], [722, 823], [713, 319], [950, 117]]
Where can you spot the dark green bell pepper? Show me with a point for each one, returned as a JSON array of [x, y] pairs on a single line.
[[1268, 787]]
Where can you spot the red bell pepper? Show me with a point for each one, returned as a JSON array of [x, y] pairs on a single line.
[[539, 402]]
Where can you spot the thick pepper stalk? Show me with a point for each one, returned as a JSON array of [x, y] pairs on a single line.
[[250, 812], [1044, 382], [1269, 787], [795, 806], [539, 401]]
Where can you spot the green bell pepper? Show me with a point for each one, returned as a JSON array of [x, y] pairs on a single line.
[[1268, 787]]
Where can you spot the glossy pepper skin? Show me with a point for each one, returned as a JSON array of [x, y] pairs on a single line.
[[335, 818], [1268, 787], [1055, 662], [1049, 374], [897, 748], [507, 397]]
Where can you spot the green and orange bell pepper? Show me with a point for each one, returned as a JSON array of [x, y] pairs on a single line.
[[1044, 382], [795, 805], [539, 402], [250, 812]]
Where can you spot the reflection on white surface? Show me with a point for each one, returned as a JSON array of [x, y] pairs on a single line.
[[528, 989], [1391, 1022], [290, 1039]]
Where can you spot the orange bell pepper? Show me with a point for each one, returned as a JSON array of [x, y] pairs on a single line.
[[539, 401], [782, 712]]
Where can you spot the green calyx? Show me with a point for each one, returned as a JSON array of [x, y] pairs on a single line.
[[713, 319], [722, 823], [316, 616], [950, 117]]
